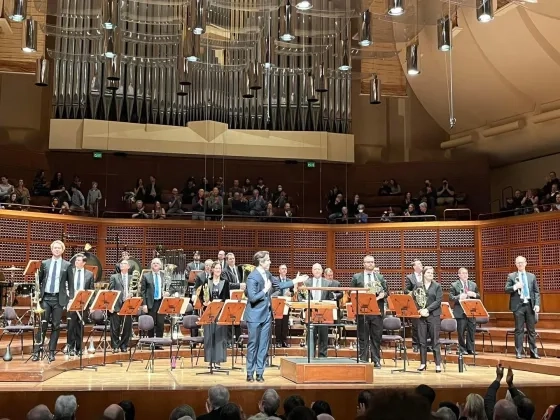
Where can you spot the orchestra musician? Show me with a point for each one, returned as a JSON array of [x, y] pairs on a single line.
[[233, 274], [281, 327], [222, 259], [524, 302], [203, 276], [429, 321], [195, 264], [258, 313], [124, 256], [121, 326], [411, 281], [152, 293], [83, 280], [215, 336], [370, 327], [54, 284], [464, 289]]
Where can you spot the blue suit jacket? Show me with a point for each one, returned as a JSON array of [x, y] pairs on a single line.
[[258, 302]]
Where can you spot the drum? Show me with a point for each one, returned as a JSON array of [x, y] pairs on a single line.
[[93, 261], [135, 265], [24, 289]]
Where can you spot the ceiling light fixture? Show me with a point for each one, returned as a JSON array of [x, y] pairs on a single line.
[[444, 33], [484, 10], [365, 29], [412, 59], [396, 7]]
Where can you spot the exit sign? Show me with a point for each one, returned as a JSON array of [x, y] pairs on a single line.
[[310, 164], [97, 155]]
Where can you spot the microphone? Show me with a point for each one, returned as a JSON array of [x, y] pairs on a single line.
[[517, 281]]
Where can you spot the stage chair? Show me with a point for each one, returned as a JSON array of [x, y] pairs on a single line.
[[190, 323], [63, 327], [145, 324], [391, 324], [100, 326], [525, 340], [484, 331], [448, 326], [18, 329], [241, 340]]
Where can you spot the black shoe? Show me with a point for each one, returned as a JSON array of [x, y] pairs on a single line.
[[415, 349], [260, 378], [250, 378], [35, 357], [115, 350], [518, 356], [535, 356], [158, 348], [72, 353], [285, 345], [472, 353], [124, 349], [278, 345], [51, 356], [421, 368], [377, 365]]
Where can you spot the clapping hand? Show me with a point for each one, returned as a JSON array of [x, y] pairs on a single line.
[[463, 296], [499, 372], [300, 278], [424, 312], [509, 377], [471, 294]]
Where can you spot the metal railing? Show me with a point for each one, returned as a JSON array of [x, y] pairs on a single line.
[[510, 188], [457, 210], [519, 211]]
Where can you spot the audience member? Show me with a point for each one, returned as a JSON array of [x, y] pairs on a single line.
[[40, 412], [181, 411], [392, 404], [65, 407], [364, 398], [218, 397], [320, 407], [114, 412], [325, 416], [505, 410], [427, 392], [445, 413], [269, 403], [474, 408], [231, 411], [291, 403], [93, 198], [302, 413], [452, 406], [128, 408], [525, 407]]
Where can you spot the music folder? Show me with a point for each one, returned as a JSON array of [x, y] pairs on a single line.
[[404, 306], [237, 294], [365, 303], [211, 313], [105, 300], [278, 305], [446, 312], [173, 306], [474, 308], [81, 300], [232, 313], [131, 306], [32, 267]]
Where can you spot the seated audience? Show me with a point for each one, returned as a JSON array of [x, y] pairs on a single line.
[[57, 187], [344, 218], [190, 190], [452, 406], [218, 397], [426, 392], [235, 189], [269, 213], [364, 398], [232, 411], [260, 186], [257, 205], [395, 187], [114, 412], [332, 194], [335, 208], [474, 408], [198, 205], [153, 191], [214, 203], [361, 216], [158, 212], [140, 211], [407, 200], [139, 191], [269, 403], [354, 206], [40, 412], [290, 404], [445, 194], [389, 404], [423, 211], [505, 410], [40, 185], [239, 205], [93, 199], [22, 193], [76, 183], [12, 203], [387, 215], [5, 189], [77, 200], [302, 413], [247, 187], [550, 180], [55, 205], [385, 188], [280, 198], [321, 407], [65, 407], [445, 413], [176, 203], [287, 213], [428, 194], [182, 411], [129, 409]]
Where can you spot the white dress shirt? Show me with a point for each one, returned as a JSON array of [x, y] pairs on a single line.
[[57, 274], [316, 294], [418, 277], [79, 275], [125, 285], [234, 270], [369, 278]]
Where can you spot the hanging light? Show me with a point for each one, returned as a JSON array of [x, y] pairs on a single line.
[[255, 75], [444, 33], [113, 67], [199, 24], [193, 47], [184, 74], [19, 11], [484, 10], [321, 85], [304, 5], [286, 29], [310, 88], [375, 90], [365, 29], [248, 93], [109, 14], [29, 36], [412, 59], [396, 7], [109, 43], [42, 72], [345, 62], [265, 44], [182, 90]]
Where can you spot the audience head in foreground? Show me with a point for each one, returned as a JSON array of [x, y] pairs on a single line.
[[505, 410], [40, 412], [302, 413], [426, 392], [270, 402], [65, 407], [182, 411], [445, 413], [218, 396], [291, 403], [113, 412], [128, 408], [398, 405]]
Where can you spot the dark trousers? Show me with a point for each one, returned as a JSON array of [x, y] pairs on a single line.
[[281, 328], [468, 325], [159, 320], [525, 317], [321, 338], [75, 331], [236, 331], [415, 341], [257, 345], [370, 331], [119, 323], [429, 327], [52, 314]]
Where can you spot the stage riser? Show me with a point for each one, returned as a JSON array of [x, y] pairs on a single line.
[[157, 404]]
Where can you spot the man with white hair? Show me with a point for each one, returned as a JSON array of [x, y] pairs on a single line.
[[65, 407], [218, 397], [121, 326], [524, 302], [152, 293]]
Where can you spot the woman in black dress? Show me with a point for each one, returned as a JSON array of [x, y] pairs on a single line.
[[215, 336], [430, 312]]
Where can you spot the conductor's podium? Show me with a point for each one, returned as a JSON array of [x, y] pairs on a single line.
[[326, 370]]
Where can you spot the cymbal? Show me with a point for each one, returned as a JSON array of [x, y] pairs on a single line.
[[12, 268]]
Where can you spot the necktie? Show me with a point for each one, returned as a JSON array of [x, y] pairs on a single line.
[[368, 280], [466, 286], [235, 274], [53, 278], [525, 286], [156, 280]]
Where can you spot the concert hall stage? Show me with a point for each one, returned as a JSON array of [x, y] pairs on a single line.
[[161, 391]]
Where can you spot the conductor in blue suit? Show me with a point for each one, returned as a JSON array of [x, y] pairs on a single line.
[[258, 314]]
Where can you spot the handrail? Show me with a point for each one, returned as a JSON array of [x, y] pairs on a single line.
[[499, 203], [504, 190], [458, 210], [511, 212]]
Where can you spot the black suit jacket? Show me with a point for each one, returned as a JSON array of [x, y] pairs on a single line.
[[65, 287], [230, 277], [434, 295], [358, 281], [147, 288], [89, 282], [455, 291], [212, 415], [116, 283], [515, 297], [223, 289], [200, 280], [410, 282]]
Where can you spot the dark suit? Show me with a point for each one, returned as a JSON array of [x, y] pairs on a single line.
[[53, 303], [282, 326], [431, 324], [234, 284], [524, 313], [215, 336], [463, 322], [75, 331], [212, 415], [201, 279], [147, 293], [370, 327], [410, 284], [118, 322], [258, 315]]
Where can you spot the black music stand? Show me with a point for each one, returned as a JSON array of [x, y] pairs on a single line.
[[79, 304], [32, 269], [404, 307], [278, 305], [173, 306], [209, 317], [363, 304], [474, 308], [105, 301], [231, 314]]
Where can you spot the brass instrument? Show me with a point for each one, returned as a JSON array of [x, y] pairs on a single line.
[[247, 269], [36, 297], [376, 287], [205, 293], [134, 285], [419, 296], [167, 275]]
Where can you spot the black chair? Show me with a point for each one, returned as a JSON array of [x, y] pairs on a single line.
[[145, 324], [241, 340], [17, 329], [484, 331], [190, 322], [448, 326], [525, 340], [392, 324], [100, 326]]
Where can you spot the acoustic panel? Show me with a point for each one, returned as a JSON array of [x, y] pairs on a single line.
[[494, 236], [385, 239], [455, 259], [388, 260], [524, 233], [274, 239], [420, 238], [550, 254], [305, 260], [550, 230], [456, 238], [428, 258], [310, 239], [352, 239], [494, 258], [13, 228], [125, 235], [81, 233], [43, 252], [348, 261], [234, 239], [46, 231], [168, 237], [242, 256], [11, 253], [395, 281], [549, 280], [280, 257], [494, 281], [198, 238], [531, 254]]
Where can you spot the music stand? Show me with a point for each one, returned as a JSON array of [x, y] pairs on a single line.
[[79, 304], [446, 311], [319, 313], [277, 304], [238, 295], [209, 317], [173, 306], [404, 307], [474, 308], [105, 301], [32, 269], [231, 314], [363, 304]]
